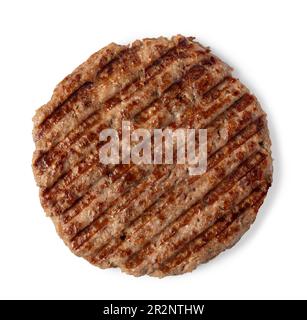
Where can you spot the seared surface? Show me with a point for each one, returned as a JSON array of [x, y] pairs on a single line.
[[151, 219]]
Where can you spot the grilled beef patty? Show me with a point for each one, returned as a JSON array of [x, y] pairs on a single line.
[[147, 218]]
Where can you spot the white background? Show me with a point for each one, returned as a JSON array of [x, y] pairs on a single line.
[[265, 41]]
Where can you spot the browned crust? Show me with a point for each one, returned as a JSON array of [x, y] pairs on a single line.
[[149, 219]]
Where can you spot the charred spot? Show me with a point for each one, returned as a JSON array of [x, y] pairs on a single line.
[[123, 237]]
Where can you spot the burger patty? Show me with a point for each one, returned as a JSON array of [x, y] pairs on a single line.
[[148, 218]]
